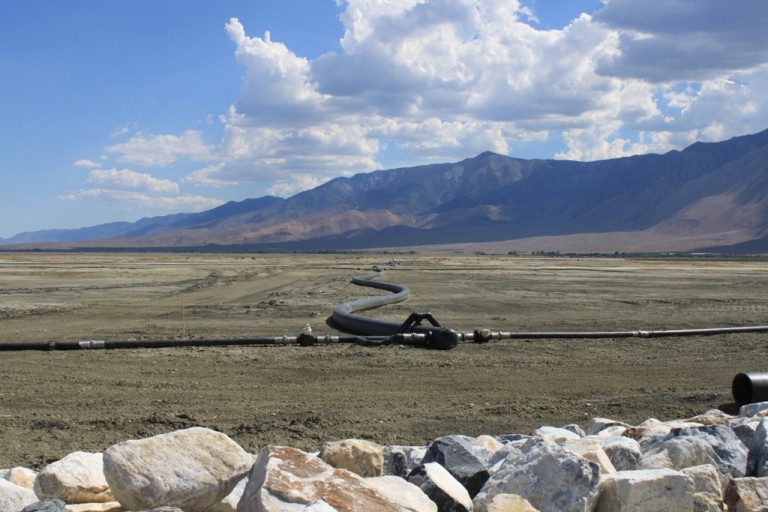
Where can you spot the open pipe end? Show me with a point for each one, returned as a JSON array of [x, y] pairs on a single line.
[[750, 387]]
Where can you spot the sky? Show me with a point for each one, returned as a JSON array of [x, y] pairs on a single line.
[[122, 109]]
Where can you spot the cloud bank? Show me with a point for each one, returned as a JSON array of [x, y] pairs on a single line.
[[417, 81]]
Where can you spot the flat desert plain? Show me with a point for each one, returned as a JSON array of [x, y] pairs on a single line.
[[56, 402]]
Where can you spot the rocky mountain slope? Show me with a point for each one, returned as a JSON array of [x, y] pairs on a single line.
[[708, 195]]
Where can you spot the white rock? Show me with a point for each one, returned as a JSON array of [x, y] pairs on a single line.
[[414, 454], [191, 469], [403, 493], [489, 443], [750, 410], [596, 425], [712, 417], [14, 497], [286, 479], [109, 506], [550, 477], [229, 504], [573, 427], [357, 455], [319, 506], [732, 452], [758, 451], [658, 490], [745, 428], [23, 477], [556, 435], [706, 485], [591, 449], [678, 453], [509, 503], [441, 487], [652, 428], [509, 451], [77, 478], [746, 495], [648, 431], [703, 503], [625, 453]]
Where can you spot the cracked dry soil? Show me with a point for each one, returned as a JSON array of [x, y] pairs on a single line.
[[56, 402]]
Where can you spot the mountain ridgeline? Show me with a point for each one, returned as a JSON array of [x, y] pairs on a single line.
[[709, 196]]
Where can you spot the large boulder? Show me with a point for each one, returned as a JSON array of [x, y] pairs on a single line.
[[441, 487], [287, 479], [745, 429], [319, 506], [746, 495], [656, 490], [358, 456], [707, 489], [15, 497], [23, 477], [229, 504], [652, 429], [597, 425], [76, 478], [509, 503], [47, 505], [757, 464], [624, 453], [556, 435], [550, 477], [724, 442], [191, 469], [755, 409], [467, 463], [591, 449], [679, 453], [403, 493], [692, 446]]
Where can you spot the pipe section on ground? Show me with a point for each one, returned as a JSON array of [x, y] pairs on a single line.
[[748, 388], [344, 314], [345, 318], [485, 335]]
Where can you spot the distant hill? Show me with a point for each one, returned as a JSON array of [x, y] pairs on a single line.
[[710, 196], [145, 226]]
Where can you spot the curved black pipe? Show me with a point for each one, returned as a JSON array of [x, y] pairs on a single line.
[[344, 314]]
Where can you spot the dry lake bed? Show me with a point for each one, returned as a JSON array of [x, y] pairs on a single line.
[[56, 402]]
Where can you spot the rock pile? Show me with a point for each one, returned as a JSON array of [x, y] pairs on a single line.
[[712, 462]]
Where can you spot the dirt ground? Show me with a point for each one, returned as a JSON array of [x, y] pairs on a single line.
[[56, 402]]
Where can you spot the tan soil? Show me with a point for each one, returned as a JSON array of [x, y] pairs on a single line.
[[53, 403]]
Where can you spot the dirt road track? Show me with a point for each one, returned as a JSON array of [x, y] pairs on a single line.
[[53, 403]]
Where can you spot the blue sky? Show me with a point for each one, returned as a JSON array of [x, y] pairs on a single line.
[[121, 109]]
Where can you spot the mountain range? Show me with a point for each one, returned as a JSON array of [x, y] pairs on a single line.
[[709, 197]]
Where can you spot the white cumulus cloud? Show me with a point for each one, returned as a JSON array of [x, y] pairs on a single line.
[[144, 202], [125, 179], [88, 164], [162, 150], [416, 81]]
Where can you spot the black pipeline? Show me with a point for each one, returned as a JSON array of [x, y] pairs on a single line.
[[303, 339], [437, 336], [485, 335], [371, 332]]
